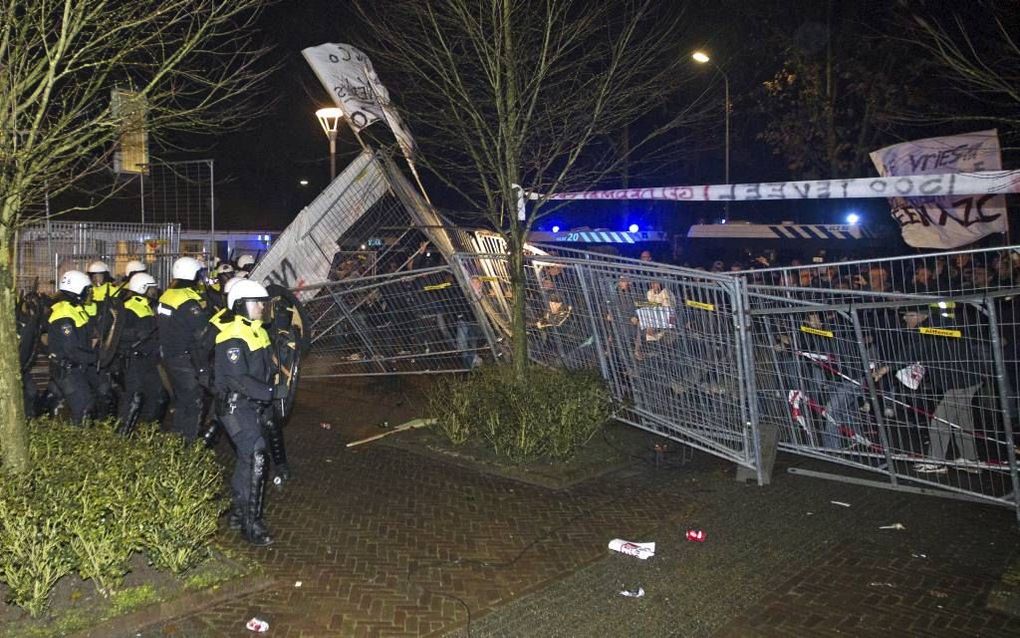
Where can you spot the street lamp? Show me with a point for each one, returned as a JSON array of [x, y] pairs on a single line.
[[702, 58], [330, 118]]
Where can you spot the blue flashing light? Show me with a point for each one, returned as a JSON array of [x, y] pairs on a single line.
[[853, 218], [633, 228], [556, 229]]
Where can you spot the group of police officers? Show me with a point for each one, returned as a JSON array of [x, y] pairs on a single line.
[[113, 344]]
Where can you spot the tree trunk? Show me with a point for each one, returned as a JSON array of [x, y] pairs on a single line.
[[518, 326], [13, 431]]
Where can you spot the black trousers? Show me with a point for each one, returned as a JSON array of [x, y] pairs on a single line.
[[79, 387], [189, 397], [244, 427], [141, 376]]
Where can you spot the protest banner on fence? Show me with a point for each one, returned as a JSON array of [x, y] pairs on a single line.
[[951, 219], [948, 185]]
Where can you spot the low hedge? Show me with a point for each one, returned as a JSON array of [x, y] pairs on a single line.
[[550, 415], [93, 498]]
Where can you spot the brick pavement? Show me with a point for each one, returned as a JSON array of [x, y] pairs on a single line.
[[390, 543]]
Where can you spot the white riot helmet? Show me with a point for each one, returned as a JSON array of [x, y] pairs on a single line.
[[245, 262], [244, 295], [224, 269], [232, 282], [140, 283], [187, 268], [98, 267], [134, 266], [75, 283]]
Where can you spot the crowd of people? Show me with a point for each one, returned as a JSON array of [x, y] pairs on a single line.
[[921, 336], [128, 350]]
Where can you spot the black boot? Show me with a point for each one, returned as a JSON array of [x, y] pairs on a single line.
[[127, 426], [278, 453], [254, 528], [210, 435]]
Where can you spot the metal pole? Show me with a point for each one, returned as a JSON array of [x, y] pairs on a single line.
[[212, 210], [141, 187], [876, 404], [1003, 387], [332, 156], [726, 105]]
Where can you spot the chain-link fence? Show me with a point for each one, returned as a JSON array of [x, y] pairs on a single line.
[[48, 249]]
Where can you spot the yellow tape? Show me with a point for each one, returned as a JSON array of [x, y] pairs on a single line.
[[437, 286], [816, 331], [700, 305], [940, 332], [944, 305]]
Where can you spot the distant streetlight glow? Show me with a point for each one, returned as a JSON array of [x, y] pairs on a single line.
[[700, 57], [556, 229], [853, 218], [303, 182], [633, 228]]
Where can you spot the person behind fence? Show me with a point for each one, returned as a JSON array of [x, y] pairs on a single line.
[[71, 346], [181, 316], [948, 368], [143, 398], [244, 391]]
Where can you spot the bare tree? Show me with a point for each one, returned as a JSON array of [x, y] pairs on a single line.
[[177, 65], [536, 93], [978, 57]]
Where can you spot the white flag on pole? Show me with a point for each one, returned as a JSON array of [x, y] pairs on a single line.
[[347, 73], [948, 221]]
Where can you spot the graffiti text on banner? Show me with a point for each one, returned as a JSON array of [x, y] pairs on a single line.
[[947, 185]]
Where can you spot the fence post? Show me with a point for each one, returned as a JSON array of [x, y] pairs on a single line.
[[1003, 390], [593, 307], [876, 406], [764, 459]]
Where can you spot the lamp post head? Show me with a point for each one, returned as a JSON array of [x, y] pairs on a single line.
[[700, 57], [329, 118]]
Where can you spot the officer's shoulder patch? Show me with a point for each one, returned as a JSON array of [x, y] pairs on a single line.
[[66, 330], [233, 354]]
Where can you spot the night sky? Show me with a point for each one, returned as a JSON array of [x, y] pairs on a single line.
[[259, 168]]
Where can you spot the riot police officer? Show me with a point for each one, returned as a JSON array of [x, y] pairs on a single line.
[[130, 269], [181, 317], [103, 286], [243, 378], [143, 398], [70, 345]]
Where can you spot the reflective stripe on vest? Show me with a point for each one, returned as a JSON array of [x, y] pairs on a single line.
[[67, 310], [250, 332], [140, 306], [175, 297]]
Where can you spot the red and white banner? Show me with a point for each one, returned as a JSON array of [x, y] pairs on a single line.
[[941, 185], [951, 219]]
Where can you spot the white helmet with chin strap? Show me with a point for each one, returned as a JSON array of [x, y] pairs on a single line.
[[134, 266], [242, 292], [98, 267], [74, 283], [245, 262], [187, 268], [140, 283], [232, 282]]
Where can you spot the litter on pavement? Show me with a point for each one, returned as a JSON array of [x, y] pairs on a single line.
[[840, 503], [644, 551], [894, 526], [633, 593], [257, 625]]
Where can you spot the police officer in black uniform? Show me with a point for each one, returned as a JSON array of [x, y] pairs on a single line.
[[143, 398], [181, 316], [243, 378], [71, 346]]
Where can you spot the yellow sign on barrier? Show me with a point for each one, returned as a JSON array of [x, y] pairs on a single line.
[[940, 332], [816, 331], [700, 305]]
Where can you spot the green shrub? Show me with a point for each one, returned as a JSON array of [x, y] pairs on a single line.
[[551, 414], [93, 498]]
